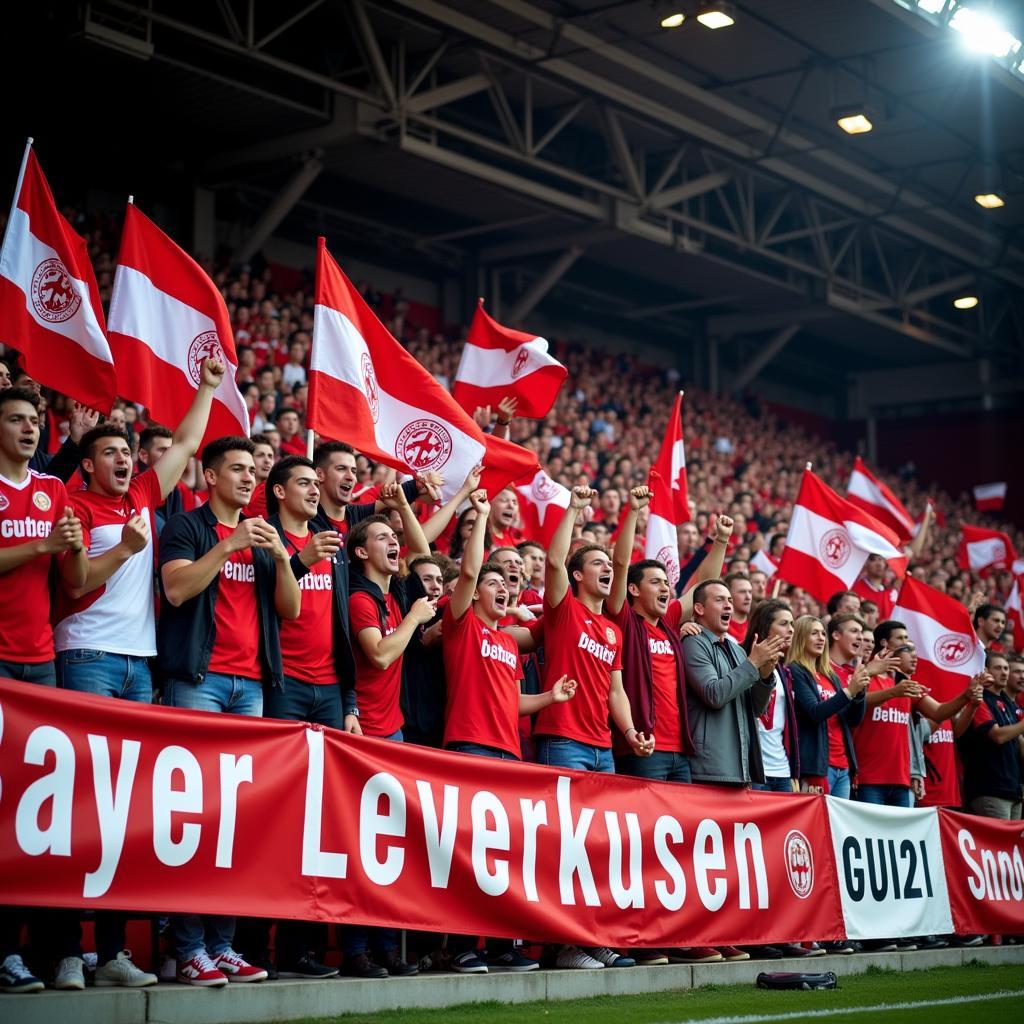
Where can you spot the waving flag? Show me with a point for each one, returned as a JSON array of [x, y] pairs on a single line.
[[990, 497], [541, 503], [985, 549], [166, 318], [669, 507], [830, 539], [949, 652], [366, 389], [498, 362], [50, 308], [764, 562], [1015, 614], [869, 493]]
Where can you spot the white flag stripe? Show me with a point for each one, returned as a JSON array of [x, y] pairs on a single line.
[[167, 326], [544, 493], [22, 254], [662, 543], [761, 561], [986, 491], [806, 530], [926, 632], [492, 367], [867, 540], [864, 488], [678, 462], [981, 553], [338, 353]]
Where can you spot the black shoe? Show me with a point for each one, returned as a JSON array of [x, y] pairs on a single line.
[[765, 952], [968, 941], [361, 966], [905, 945], [841, 946], [395, 965], [931, 942], [794, 949], [880, 946], [307, 967], [265, 963]]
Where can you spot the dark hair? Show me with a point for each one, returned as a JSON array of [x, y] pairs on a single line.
[[884, 630], [357, 538], [214, 452], [487, 567], [19, 395], [281, 474], [866, 605], [524, 544], [702, 588], [990, 656], [983, 611], [323, 452], [635, 575], [283, 411], [837, 622], [150, 434], [733, 576], [434, 560], [98, 433], [458, 545], [504, 547], [261, 439], [761, 618], [833, 601], [575, 563]]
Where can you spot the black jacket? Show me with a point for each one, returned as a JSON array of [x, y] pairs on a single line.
[[812, 715], [186, 634]]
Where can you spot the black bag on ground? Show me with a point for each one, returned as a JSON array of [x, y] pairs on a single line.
[[792, 979]]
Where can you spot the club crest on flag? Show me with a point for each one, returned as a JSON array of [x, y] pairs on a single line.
[[543, 488], [370, 386], [53, 294], [799, 864], [835, 548], [669, 558], [204, 346], [952, 650], [424, 445], [521, 360]]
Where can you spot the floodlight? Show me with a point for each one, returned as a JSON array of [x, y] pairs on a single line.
[[673, 20], [989, 200], [853, 120], [932, 6], [966, 302], [983, 33], [719, 15]]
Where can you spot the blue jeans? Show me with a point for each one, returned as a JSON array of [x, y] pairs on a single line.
[[662, 765], [233, 694], [191, 933], [481, 751], [106, 675], [298, 701], [889, 796], [839, 782], [559, 752], [774, 784], [44, 672]]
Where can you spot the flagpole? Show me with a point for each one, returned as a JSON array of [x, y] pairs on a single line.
[[309, 445], [17, 187], [807, 466], [776, 586], [131, 200]]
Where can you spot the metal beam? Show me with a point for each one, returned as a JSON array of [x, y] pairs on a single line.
[[448, 93], [372, 48], [689, 189], [683, 306], [526, 303], [765, 355], [546, 243], [745, 323], [623, 156], [279, 208], [930, 291]]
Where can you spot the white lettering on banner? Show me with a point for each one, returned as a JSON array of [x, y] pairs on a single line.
[[112, 808], [56, 788], [498, 653], [708, 856], [167, 800], [890, 868], [315, 860], [440, 842], [995, 875], [667, 829], [233, 772], [374, 823], [535, 814], [486, 839], [599, 651], [573, 851], [315, 581], [30, 528], [242, 572], [632, 895]]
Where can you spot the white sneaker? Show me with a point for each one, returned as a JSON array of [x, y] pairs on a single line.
[[574, 959], [16, 977], [237, 968], [121, 971], [201, 971], [70, 973]]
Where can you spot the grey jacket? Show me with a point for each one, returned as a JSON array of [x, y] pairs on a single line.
[[725, 693]]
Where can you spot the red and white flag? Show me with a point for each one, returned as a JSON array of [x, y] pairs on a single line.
[[764, 562], [669, 507], [866, 491], [498, 362], [50, 309], [949, 652], [166, 318], [985, 549], [541, 504], [366, 389], [990, 497], [1015, 614], [830, 539]]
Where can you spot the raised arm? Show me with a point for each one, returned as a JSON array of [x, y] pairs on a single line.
[[917, 545], [438, 522], [622, 555], [472, 557], [392, 496], [711, 567], [556, 577]]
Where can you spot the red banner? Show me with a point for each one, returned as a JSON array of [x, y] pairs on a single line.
[[984, 860], [111, 804]]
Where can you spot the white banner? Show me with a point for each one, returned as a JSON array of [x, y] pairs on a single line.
[[892, 878]]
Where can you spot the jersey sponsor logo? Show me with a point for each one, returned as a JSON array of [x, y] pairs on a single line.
[[835, 548], [894, 715], [660, 646], [41, 500], [520, 362], [240, 572], [799, 860], [424, 445], [669, 557], [53, 292], [599, 651], [370, 386], [204, 346], [31, 528], [498, 653], [953, 649], [943, 735], [316, 581]]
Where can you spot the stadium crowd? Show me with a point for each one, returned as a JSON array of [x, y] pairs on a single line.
[[328, 591]]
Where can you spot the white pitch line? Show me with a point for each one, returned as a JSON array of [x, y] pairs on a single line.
[[838, 1011]]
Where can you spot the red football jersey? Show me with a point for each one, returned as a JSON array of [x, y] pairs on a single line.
[[378, 691], [668, 727], [942, 783], [482, 668], [586, 647], [307, 643], [837, 757], [28, 512], [882, 740], [236, 644]]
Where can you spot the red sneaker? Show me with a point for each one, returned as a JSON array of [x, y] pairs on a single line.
[[732, 954], [201, 971], [694, 955], [238, 969]]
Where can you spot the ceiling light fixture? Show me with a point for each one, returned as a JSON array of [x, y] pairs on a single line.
[[673, 20], [966, 302], [853, 120], [989, 200], [716, 16], [983, 33]]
